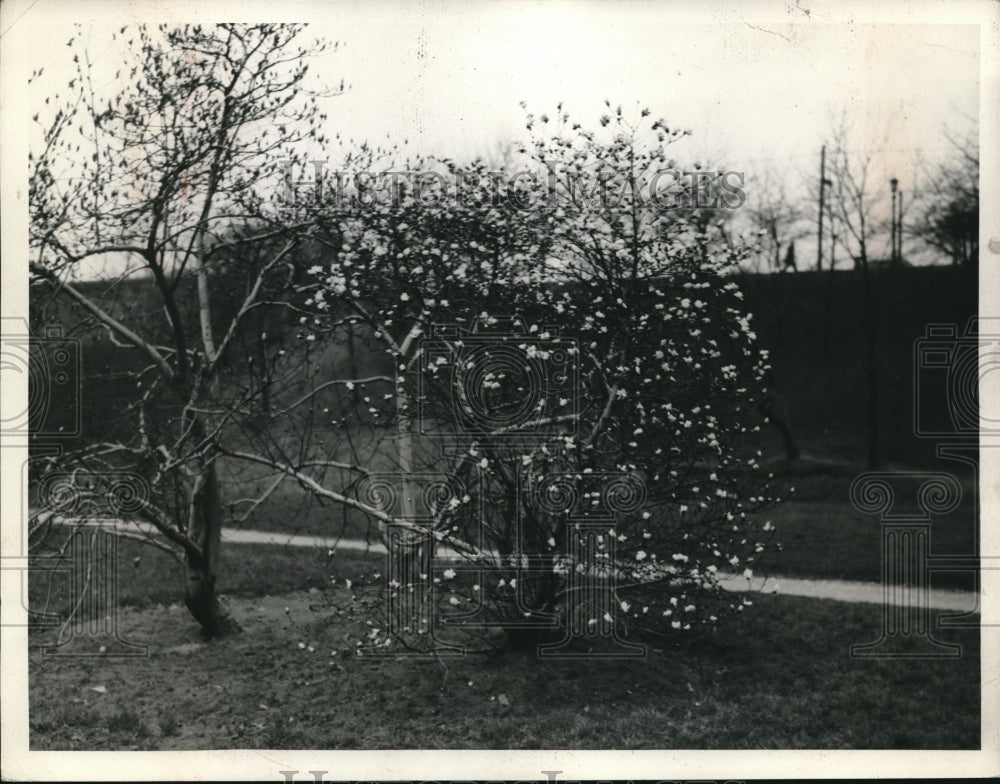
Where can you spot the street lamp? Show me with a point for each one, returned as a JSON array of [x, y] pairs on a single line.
[[893, 184]]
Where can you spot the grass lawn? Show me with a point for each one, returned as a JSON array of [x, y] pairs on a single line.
[[821, 535], [837, 542], [780, 677], [149, 577]]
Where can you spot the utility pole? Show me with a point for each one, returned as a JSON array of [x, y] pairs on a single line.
[[822, 185], [833, 239], [893, 184], [899, 230], [828, 284]]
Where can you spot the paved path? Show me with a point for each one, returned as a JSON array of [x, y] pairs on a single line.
[[839, 590]]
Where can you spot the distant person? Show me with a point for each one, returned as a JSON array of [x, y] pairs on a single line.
[[790, 258]]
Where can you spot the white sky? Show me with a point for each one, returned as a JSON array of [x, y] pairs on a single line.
[[757, 92], [751, 91], [452, 85]]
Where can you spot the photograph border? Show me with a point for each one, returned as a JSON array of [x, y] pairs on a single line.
[[19, 763]]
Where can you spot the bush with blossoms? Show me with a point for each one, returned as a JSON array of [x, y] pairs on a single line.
[[572, 398]]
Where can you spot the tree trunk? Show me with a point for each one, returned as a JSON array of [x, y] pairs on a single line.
[[871, 366], [769, 407], [200, 571], [828, 284], [404, 453]]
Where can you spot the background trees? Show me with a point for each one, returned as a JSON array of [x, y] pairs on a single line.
[[947, 218]]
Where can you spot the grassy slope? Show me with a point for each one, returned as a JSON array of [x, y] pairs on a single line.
[[779, 677], [821, 535]]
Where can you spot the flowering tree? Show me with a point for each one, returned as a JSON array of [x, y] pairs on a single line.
[[547, 353], [669, 370], [574, 345]]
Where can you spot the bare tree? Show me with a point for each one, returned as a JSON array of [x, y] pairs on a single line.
[[173, 179], [947, 215]]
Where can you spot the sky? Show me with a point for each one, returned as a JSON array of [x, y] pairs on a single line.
[[451, 81], [759, 92], [757, 95], [747, 91]]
